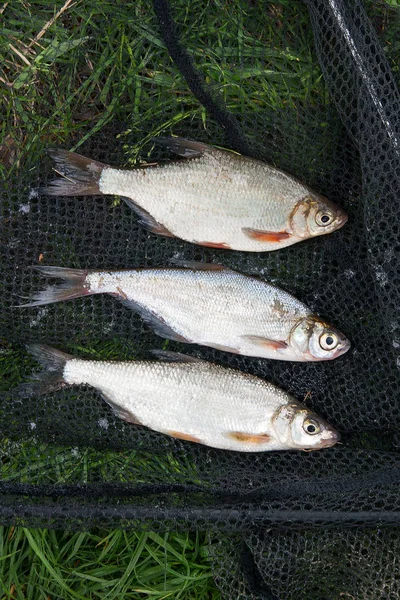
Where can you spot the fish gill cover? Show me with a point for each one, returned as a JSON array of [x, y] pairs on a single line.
[[287, 517]]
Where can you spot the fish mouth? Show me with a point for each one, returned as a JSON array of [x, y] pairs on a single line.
[[330, 441], [342, 348], [341, 219]]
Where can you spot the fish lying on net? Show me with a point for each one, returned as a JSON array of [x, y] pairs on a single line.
[[214, 198], [200, 401], [210, 305]]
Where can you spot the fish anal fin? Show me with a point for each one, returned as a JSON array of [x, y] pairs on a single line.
[[250, 438], [156, 323], [168, 356], [183, 147], [120, 411], [223, 348], [266, 236], [146, 220], [198, 266], [277, 345], [183, 436], [223, 245]]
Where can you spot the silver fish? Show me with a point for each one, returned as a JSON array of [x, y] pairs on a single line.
[[215, 198], [192, 400], [210, 305]]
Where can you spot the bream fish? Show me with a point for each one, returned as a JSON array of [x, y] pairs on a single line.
[[191, 399], [210, 305], [214, 198]]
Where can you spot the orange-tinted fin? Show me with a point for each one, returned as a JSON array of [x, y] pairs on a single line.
[[266, 236], [249, 438], [184, 436], [147, 220], [265, 342], [214, 245]]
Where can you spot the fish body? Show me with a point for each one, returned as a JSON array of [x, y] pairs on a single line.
[[192, 400], [211, 306], [214, 198]]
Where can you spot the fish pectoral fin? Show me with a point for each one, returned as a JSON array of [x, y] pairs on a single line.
[[182, 146], [120, 412], [183, 436], [266, 236], [168, 356], [278, 345], [198, 266], [249, 438], [156, 323], [146, 220]]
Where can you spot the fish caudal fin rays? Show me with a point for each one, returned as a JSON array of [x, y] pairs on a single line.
[[120, 411], [266, 343], [73, 287], [168, 356], [183, 147], [80, 175], [146, 220], [51, 378], [266, 236], [156, 323]]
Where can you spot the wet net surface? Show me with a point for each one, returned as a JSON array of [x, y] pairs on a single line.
[[348, 149]]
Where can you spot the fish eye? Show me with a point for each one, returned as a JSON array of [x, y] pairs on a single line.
[[311, 426], [323, 218], [328, 341]]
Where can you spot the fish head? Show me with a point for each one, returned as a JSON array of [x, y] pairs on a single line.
[[316, 215], [297, 427], [313, 340]]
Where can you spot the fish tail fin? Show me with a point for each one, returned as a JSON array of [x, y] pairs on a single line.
[[74, 286], [80, 175], [52, 377]]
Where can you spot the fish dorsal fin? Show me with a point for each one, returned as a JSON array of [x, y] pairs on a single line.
[[197, 265], [168, 356], [183, 147]]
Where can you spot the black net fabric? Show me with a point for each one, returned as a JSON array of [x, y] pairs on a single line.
[[307, 525]]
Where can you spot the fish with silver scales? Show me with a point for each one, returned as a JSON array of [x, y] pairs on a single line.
[[200, 401], [212, 197], [209, 305]]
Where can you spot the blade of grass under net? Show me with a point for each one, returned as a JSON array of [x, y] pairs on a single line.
[[42, 557]]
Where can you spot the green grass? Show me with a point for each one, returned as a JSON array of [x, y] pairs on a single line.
[[65, 76], [42, 564]]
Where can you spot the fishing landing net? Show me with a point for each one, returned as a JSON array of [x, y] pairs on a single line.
[[289, 525]]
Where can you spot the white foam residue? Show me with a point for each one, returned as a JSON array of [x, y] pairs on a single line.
[[381, 276], [40, 314], [32, 425], [349, 274], [103, 423], [33, 193], [396, 344], [24, 208]]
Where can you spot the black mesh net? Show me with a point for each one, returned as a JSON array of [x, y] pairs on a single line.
[[306, 525]]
